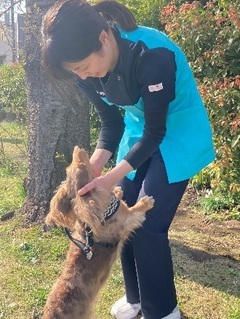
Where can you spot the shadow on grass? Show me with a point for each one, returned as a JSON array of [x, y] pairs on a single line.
[[221, 272], [183, 316], [11, 140]]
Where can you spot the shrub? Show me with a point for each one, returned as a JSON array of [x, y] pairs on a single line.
[[13, 96], [209, 35]]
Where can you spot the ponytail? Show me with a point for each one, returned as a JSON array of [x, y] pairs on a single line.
[[116, 13], [71, 30]]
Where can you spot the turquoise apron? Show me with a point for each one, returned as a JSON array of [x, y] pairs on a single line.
[[187, 146]]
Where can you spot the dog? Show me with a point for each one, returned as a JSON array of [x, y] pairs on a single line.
[[97, 224]]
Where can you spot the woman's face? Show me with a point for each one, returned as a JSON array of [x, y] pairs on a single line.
[[97, 64]]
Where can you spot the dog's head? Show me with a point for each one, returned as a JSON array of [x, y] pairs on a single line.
[[78, 173], [67, 208]]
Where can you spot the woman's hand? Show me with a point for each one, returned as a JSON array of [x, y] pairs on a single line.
[[98, 160], [108, 180], [101, 181], [96, 170]]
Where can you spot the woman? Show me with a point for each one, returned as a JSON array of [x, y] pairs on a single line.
[[163, 140]]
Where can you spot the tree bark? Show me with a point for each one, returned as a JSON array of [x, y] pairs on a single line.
[[55, 125]]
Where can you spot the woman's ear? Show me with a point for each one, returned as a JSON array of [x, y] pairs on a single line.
[[103, 37]]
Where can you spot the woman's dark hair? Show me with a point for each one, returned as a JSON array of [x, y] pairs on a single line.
[[116, 13], [71, 30]]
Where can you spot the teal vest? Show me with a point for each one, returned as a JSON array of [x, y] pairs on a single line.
[[187, 146]]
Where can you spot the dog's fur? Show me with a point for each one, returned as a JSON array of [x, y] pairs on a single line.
[[74, 294]]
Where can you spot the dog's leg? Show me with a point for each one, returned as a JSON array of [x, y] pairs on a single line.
[[136, 216], [144, 204], [118, 192]]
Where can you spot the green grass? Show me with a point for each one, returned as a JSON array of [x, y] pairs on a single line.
[[12, 166], [31, 259], [30, 262]]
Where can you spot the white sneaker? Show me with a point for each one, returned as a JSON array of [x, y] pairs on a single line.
[[175, 314], [124, 310]]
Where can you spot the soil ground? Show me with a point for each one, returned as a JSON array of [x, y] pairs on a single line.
[[215, 238], [205, 252], [206, 255]]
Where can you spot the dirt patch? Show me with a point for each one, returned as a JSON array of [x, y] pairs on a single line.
[[206, 255], [207, 237]]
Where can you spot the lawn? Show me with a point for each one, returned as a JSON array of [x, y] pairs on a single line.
[[205, 253]]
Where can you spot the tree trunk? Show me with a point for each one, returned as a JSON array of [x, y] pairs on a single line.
[[55, 125]]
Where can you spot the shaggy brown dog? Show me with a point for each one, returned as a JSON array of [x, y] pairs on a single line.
[[100, 222]]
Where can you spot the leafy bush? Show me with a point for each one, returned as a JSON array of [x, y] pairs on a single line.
[[146, 11], [209, 35], [13, 95]]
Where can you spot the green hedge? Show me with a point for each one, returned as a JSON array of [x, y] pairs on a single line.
[[210, 37], [13, 97]]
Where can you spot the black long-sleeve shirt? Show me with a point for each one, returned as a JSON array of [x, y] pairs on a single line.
[[140, 72]]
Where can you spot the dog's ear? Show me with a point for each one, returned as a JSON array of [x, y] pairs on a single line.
[[61, 202], [77, 177], [82, 176], [64, 204], [59, 205], [80, 156]]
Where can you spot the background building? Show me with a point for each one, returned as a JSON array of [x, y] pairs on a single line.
[[11, 38]]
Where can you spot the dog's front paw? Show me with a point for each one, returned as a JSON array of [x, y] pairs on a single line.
[[118, 192], [147, 201]]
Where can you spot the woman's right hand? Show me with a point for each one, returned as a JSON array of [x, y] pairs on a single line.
[[98, 160], [109, 179], [96, 170]]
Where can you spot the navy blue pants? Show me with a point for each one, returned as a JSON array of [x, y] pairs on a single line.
[[146, 257]]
